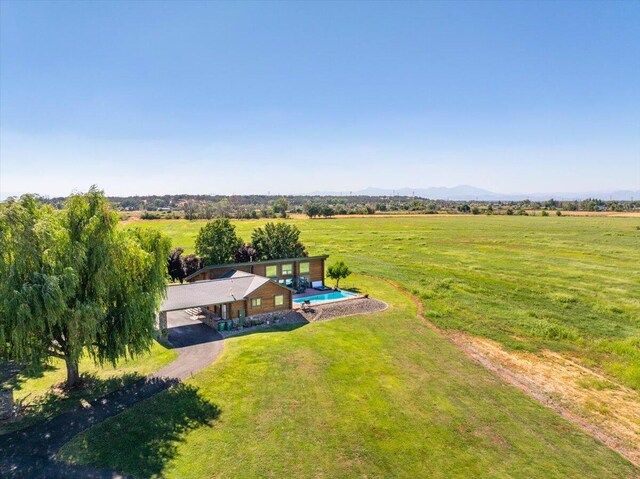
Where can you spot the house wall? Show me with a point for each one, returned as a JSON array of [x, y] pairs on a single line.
[[233, 309], [267, 292], [316, 270]]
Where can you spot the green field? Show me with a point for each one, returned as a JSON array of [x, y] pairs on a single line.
[[385, 396], [376, 396], [563, 283]]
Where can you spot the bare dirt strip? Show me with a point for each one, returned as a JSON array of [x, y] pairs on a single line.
[[608, 411]]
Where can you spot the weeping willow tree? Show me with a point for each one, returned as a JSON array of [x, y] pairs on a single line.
[[73, 283]]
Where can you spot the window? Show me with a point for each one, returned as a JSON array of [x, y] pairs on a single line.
[[271, 271], [304, 267], [287, 269], [256, 302], [278, 300]]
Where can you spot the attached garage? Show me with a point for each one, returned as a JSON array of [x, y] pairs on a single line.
[[236, 296]]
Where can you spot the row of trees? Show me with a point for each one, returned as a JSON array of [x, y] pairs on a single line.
[[72, 282], [218, 243], [265, 206]]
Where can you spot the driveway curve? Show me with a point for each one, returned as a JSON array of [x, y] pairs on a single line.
[[30, 452]]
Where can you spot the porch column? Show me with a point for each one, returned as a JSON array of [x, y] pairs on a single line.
[[163, 332]]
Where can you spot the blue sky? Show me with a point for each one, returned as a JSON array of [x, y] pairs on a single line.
[[292, 97]]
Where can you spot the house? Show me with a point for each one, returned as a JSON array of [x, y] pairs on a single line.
[[309, 268], [235, 296]]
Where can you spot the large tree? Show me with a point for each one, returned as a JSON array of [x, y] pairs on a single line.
[[246, 254], [280, 207], [191, 263], [73, 283], [277, 241], [175, 265], [217, 242]]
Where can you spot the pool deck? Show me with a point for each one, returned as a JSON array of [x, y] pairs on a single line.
[[314, 292]]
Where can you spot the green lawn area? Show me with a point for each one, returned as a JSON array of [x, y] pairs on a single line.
[[36, 390], [373, 396], [570, 284]]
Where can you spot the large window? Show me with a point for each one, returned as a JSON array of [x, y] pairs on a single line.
[[278, 299], [271, 271], [256, 302], [287, 269], [304, 267]]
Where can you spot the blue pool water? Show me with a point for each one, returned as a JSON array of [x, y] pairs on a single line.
[[321, 298]]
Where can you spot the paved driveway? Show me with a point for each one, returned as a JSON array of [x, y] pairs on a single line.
[[30, 452], [197, 344]]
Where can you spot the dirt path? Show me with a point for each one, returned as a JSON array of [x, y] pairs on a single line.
[[602, 408], [31, 452]]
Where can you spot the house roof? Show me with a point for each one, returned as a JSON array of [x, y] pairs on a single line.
[[269, 261], [234, 286]]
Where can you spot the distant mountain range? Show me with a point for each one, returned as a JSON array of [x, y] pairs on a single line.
[[469, 193]]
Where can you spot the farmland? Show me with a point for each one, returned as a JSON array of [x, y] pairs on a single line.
[[382, 395], [564, 284], [386, 395]]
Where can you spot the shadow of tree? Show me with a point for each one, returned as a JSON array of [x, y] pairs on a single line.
[[141, 440], [58, 400], [14, 375]]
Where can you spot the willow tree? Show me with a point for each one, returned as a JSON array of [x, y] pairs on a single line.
[[73, 283]]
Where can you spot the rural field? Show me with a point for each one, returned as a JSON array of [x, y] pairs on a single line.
[[387, 395], [564, 284]]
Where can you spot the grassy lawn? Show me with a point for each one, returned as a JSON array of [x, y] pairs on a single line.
[[372, 396], [36, 391], [570, 284]]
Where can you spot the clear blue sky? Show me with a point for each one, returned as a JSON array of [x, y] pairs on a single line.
[[292, 97]]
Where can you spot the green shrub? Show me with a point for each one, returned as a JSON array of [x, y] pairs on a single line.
[[543, 328]]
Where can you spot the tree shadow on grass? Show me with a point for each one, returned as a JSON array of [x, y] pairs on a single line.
[[144, 438], [58, 400]]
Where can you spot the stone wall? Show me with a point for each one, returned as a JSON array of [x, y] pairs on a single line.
[[6, 403], [255, 319], [264, 317]]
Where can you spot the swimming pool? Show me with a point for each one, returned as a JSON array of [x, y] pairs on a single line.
[[322, 298]]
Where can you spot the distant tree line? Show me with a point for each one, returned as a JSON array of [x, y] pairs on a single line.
[[208, 207]]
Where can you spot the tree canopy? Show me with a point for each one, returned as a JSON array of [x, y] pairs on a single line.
[[175, 265], [217, 242], [277, 241], [71, 283], [339, 270]]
